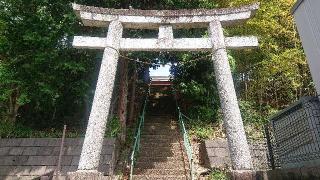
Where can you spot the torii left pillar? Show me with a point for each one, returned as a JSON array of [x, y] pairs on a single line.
[[92, 146]]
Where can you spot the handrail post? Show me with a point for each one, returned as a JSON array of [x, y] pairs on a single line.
[[131, 170], [136, 145], [186, 141], [191, 164]]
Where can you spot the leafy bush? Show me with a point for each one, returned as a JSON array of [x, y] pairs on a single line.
[[200, 129], [10, 130], [218, 175], [202, 112], [113, 127], [250, 114]]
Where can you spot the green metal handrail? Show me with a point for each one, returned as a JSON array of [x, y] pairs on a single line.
[[136, 145], [186, 140]]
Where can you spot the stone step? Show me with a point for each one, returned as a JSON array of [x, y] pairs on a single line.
[[159, 177], [168, 129], [160, 149], [179, 172], [16, 177], [161, 132], [160, 154], [165, 142], [160, 117], [161, 159], [160, 165], [160, 125], [157, 144], [160, 136]]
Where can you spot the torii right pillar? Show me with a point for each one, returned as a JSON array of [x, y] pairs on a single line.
[[238, 145]]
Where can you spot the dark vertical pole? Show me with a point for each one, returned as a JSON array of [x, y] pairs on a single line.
[[269, 144], [133, 94], [122, 110], [61, 149]]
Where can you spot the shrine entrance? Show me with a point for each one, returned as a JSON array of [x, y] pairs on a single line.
[[165, 21]]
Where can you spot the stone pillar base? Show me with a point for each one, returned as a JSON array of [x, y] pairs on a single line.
[[248, 175], [84, 175]]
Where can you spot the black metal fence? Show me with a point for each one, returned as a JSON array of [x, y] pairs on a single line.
[[293, 135]]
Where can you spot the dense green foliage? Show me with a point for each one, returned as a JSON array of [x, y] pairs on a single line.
[[276, 74], [267, 79], [43, 79], [218, 175], [45, 83]]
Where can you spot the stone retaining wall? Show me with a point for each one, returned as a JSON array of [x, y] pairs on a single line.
[[215, 154], [34, 157]]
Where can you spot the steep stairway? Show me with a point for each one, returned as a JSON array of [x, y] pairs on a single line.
[[161, 155]]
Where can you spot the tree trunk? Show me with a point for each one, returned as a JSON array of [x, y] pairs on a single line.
[[133, 96], [122, 110], [13, 106]]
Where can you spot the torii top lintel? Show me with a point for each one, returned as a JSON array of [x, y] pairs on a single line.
[[152, 19]]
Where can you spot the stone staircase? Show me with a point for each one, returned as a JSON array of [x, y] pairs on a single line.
[[161, 154]]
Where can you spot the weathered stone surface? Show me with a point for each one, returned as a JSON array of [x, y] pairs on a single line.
[[149, 19], [219, 162], [73, 142], [180, 44], [37, 170], [6, 170], [30, 151], [66, 169], [248, 175], [20, 170], [81, 175], [45, 151], [108, 142], [41, 142], [238, 145], [56, 150], [93, 142], [41, 158], [165, 21], [27, 142], [106, 150], [13, 142], [75, 150], [13, 160], [3, 142], [16, 151], [66, 160], [4, 150], [215, 154], [216, 143], [54, 142], [75, 160]]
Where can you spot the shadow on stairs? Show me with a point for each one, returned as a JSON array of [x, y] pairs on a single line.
[[161, 155]]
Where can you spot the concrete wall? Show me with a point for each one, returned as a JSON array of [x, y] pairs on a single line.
[[215, 154], [35, 157], [307, 16]]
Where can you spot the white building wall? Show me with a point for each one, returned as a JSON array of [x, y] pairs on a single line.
[[307, 16]]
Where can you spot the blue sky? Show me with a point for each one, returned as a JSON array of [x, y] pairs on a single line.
[[160, 71]]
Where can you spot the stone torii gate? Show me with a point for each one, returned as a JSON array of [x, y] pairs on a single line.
[[166, 21]]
